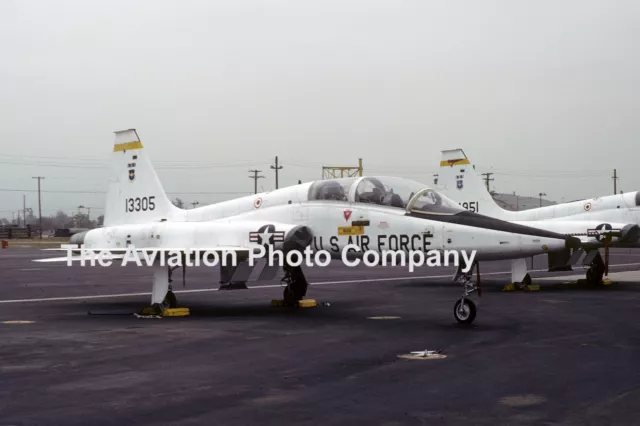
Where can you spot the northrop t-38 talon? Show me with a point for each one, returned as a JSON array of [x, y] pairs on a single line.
[[376, 213], [609, 221]]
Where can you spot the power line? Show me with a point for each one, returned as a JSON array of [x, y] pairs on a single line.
[[255, 178], [276, 168], [487, 178], [39, 203]]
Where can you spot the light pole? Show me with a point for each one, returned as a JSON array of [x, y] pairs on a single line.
[[541, 195]]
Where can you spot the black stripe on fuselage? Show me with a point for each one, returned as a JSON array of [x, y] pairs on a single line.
[[480, 221]]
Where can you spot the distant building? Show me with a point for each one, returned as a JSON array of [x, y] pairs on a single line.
[[519, 202]]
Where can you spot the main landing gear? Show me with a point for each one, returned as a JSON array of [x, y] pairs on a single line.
[[163, 300], [170, 300], [296, 287], [465, 309], [598, 271]]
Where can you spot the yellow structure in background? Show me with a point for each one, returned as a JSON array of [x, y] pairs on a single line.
[[334, 172]]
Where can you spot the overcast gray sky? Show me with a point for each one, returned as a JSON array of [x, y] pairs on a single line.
[[543, 92]]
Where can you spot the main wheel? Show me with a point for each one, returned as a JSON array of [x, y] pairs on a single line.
[[293, 294], [297, 287], [170, 301], [594, 275], [465, 312]]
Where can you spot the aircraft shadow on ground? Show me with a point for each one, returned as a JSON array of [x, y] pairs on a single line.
[[342, 313]]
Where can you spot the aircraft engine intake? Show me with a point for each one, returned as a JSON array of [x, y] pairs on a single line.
[[297, 238]]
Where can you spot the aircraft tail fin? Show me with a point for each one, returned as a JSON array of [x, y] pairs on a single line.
[[458, 180], [135, 194]]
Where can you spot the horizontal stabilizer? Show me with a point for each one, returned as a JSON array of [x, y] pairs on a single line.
[[117, 254]]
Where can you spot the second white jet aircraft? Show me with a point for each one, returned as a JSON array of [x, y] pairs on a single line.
[[609, 221]]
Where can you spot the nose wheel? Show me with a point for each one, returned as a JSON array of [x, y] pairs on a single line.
[[465, 311], [170, 301]]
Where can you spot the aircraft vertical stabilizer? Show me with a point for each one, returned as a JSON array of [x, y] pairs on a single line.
[[458, 180], [135, 193]]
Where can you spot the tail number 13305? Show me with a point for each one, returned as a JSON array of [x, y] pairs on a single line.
[[139, 204]]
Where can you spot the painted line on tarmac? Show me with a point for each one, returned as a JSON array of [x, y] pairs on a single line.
[[203, 290]]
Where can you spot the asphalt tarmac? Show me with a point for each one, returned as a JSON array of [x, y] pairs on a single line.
[[72, 353]]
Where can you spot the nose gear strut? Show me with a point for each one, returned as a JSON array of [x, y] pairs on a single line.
[[464, 309]]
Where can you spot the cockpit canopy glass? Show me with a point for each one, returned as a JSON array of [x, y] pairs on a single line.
[[433, 202], [385, 191], [333, 189]]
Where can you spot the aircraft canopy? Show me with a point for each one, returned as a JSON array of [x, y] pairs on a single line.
[[385, 191]]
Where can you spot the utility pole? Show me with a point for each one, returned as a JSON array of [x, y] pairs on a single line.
[[486, 178], [39, 203], [541, 195], [194, 204], [255, 178], [276, 168], [24, 210], [615, 181], [517, 201]]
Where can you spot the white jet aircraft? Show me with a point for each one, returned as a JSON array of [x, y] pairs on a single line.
[[609, 221], [374, 213]]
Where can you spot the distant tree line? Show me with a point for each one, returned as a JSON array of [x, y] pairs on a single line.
[[59, 220]]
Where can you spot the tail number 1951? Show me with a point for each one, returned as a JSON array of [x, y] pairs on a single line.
[[471, 206], [139, 204]]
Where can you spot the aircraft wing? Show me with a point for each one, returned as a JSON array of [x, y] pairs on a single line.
[[591, 232]]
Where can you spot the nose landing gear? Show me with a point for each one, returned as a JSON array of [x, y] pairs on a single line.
[[465, 309]]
